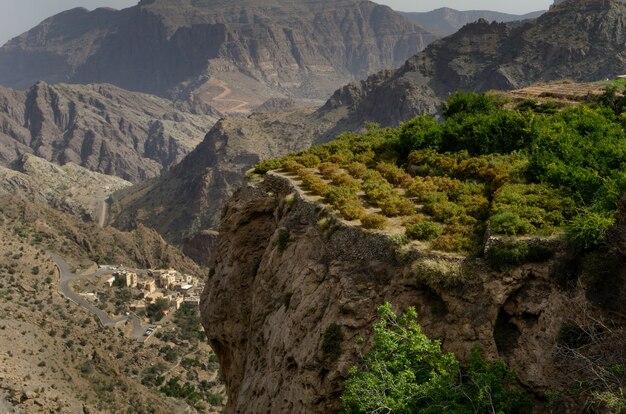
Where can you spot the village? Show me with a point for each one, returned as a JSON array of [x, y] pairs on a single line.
[[152, 295]]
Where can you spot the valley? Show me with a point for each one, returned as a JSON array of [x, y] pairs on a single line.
[[314, 206]]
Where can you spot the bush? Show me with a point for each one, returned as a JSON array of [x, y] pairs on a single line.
[[406, 372], [425, 231], [357, 169], [327, 169], [589, 228], [510, 224], [438, 272], [394, 206], [308, 160], [268, 165], [374, 221], [293, 166], [508, 254], [352, 210]]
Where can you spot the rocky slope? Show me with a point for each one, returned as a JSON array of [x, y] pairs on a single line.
[[294, 272], [580, 40], [69, 188], [249, 50], [446, 21], [100, 127], [190, 197]]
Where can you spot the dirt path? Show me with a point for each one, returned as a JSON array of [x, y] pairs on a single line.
[[102, 212], [240, 106]]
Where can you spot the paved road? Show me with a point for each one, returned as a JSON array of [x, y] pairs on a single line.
[[64, 287]]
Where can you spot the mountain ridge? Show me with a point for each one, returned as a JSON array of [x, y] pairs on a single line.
[[174, 49]]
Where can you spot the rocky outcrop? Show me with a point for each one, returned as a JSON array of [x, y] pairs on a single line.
[[171, 47], [100, 127], [580, 40], [294, 271]]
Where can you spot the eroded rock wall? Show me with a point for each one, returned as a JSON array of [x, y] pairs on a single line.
[[287, 271]]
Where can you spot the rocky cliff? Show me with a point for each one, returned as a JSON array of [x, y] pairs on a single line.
[[100, 127], [580, 40], [294, 271], [249, 50]]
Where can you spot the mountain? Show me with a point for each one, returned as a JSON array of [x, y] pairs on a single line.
[[446, 21], [189, 198], [481, 56], [580, 40], [100, 127], [233, 54]]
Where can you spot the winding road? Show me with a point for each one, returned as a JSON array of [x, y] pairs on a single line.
[[240, 106], [67, 276]]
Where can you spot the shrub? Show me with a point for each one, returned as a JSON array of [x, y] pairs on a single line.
[[327, 169], [374, 221], [315, 184], [352, 210], [293, 166], [510, 224], [589, 228], [268, 165], [340, 195], [455, 243], [438, 272], [393, 173], [346, 180], [308, 160], [508, 254], [419, 187], [357, 169], [424, 231], [394, 206]]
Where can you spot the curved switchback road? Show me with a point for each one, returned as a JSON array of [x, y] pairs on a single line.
[[66, 276]]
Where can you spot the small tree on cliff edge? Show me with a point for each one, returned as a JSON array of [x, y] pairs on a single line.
[[406, 372]]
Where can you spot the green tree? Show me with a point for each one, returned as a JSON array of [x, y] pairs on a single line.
[[406, 372]]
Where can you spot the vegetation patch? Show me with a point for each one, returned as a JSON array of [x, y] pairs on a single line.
[[532, 170], [406, 372]]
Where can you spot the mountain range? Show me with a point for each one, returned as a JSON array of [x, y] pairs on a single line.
[[103, 128], [233, 55], [446, 21]]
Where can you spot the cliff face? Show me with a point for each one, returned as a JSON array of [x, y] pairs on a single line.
[[305, 49], [100, 127], [293, 272], [581, 40]]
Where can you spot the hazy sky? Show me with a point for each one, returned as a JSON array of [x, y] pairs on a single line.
[[17, 16]]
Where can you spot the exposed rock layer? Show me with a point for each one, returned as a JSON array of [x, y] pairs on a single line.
[[100, 127]]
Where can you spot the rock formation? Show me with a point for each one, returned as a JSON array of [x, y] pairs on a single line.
[[100, 127], [294, 271], [250, 50]]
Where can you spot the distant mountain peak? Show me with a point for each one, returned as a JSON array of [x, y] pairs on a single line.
[[232, 54]]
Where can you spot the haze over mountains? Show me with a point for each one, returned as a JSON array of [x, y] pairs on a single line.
[[234, 55], [445, 21]]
